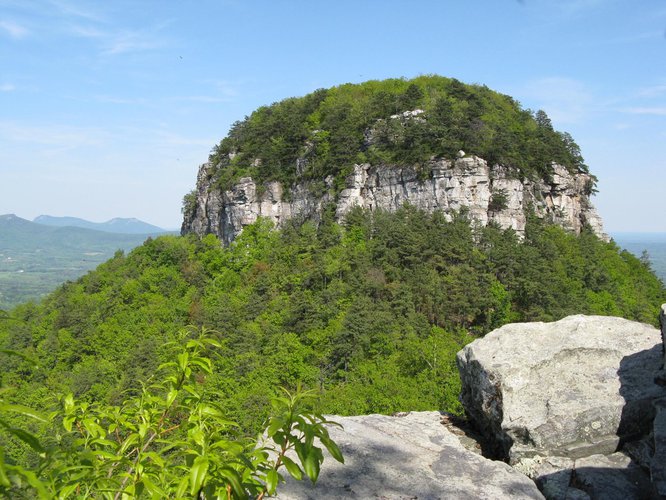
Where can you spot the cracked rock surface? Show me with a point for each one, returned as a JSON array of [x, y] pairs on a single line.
[[413, 456]]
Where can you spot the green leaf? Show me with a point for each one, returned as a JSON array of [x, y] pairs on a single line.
[[198, 436], [275, 424], [93, 428], [23, 410], [182, 487], [209, 410], [69, 402], [333, 449], [153, 489], [234, 480], [311, 465], [198, 474], [24, 436], [143, 429], [33, 481], [171, 397], [66, 491], [129, 441], [157, 459], [4, 480], [292, 468], [272, 479], [104, 442], [183, 360], [67, 423]]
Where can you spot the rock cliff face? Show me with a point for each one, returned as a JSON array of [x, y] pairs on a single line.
[[488, 192]]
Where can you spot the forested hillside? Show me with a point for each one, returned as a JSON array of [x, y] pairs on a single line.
[[324, 133], [35, 259], [366, 311], [369, 314]]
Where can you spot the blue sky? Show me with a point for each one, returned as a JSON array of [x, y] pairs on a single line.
[[107, 108]]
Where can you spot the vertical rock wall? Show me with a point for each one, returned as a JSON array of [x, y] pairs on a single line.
[[488, 193]]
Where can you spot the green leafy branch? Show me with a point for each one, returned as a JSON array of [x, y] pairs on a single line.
[[170, 441]]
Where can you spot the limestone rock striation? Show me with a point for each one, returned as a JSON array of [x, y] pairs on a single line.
[[488, 192]]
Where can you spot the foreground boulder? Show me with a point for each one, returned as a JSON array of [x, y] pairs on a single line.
[[407, 457], [572, 388]]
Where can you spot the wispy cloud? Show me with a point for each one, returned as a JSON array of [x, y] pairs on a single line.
[[565, 99], [646, 110], [7, 87], [61, 136], [72, 10], [114, 42], [215, 91], [652, 91], [14, 30], [120, 43], [574, 7], [120, 100], [203, 98]]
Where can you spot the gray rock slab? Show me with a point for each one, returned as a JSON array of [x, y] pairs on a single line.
[[607, 477], [612, 477], [570, 388], [408, 457]]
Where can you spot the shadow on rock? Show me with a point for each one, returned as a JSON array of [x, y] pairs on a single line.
[[625, 474]]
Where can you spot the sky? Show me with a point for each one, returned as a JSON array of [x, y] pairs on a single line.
[[108, 108]]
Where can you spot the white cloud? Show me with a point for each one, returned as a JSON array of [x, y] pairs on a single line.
[[120, 43], [7, 87], [114, 42], [14, 30], [646, 110], [69, 9]]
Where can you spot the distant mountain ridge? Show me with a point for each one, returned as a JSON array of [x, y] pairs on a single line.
[[115, 225], [35, 258]]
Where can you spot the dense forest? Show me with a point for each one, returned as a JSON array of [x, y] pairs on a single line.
[[368, 314], [324, 133]]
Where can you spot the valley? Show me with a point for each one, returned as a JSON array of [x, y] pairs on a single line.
[[35, 259]]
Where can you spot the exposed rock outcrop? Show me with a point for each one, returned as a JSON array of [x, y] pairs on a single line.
[[488, 192], [560, 399], [407, 457], [570, 404], [570, 388]]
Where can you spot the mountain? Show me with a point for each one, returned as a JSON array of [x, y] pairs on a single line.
[[363, 299], [36, 258], [116, 225], [432, 142]]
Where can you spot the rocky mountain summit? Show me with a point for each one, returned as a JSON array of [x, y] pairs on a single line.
[[433, 142], [469, 182], [576, 408]]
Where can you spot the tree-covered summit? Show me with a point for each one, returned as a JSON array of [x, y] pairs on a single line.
[[394, 121]]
